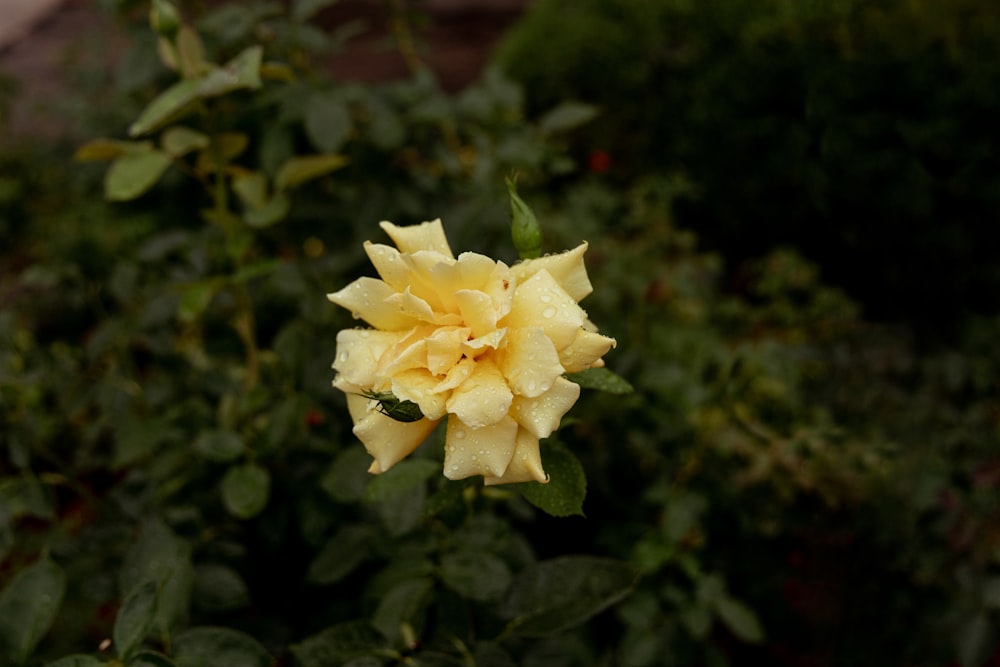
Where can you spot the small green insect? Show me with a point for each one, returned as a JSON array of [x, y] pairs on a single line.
[[390, 406]]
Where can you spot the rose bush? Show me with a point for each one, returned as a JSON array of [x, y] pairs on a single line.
[[471, 338]]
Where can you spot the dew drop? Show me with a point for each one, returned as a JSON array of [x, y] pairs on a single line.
[[342, 357], [546, 298], [459, 433], [356, 315], [548, 313], [532, 385]]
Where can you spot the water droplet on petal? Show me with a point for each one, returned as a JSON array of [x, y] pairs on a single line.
[[549, 312], [342, 357], [356, 315], [459, 433], [546, 298]]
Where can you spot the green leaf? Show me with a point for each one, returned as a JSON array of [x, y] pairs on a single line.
[[149, 659], [567, 116], [340, 643], [195, 299], [327, 121], [567, 486], [602, 379], [190, 52], [159, 555], [251, 188], [303, 10], [213, 647], [180, 140], [242, 72], [77, 660], [346, 478], [274, 211], [343, 552], [256, 270], [172, 103], [99, 150], [740, 619], [218, 588], [554, 595], [135, 618], [25, 495], [220, 445], [225, 147], [28, 606], [298, 170], [477, 575], [404, 603], [132, 174], [399, 479], [245, 490]]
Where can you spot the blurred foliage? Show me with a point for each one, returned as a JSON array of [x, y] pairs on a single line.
[[787, 482], [860, 132]]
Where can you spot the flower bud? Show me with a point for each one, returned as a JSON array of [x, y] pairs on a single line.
[[524, 228], [164, 18]]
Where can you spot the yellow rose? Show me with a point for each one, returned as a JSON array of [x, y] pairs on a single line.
[[471, 338]]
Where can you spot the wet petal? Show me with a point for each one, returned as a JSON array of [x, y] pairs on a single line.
[[525, 464], [530, 361], [477, 310], [585, 351], [484, 398], [458, 374], [478, 451], [540, 302], [540, 416], [418, 385], [367, 298], [387, 440], [425, 236], [444, 348], [567, 268], [389, 264], [474, 347], [358, 353]]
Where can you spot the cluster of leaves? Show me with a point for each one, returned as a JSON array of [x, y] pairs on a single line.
[[858, 132], [798, 471], [181, 487]]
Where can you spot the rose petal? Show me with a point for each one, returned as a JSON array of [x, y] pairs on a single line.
[[474, 347], [431, 278], [418, 385], [567, 268], [540, 416], [530, 361], [425, 236], [585, 351], [444, 348], [484, 398], [389, 264], [387, 440], [525, 464], [457, 375], [539, 301], [478, 311], [478, 451], [367, 298], [358, 353]]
